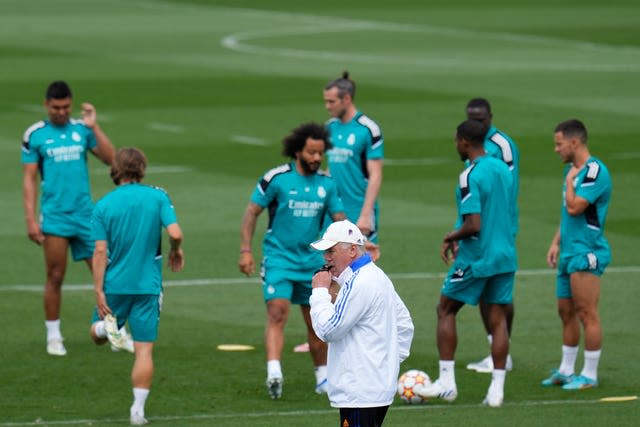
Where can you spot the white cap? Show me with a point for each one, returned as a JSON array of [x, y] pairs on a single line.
[[339, 232]]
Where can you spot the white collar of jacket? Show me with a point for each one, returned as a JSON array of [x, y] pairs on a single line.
[[353, 268]]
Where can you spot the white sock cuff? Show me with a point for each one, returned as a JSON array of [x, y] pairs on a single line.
[[569, 349], [140, 392], [53, 329], [447, 364], [274, 369], [499, 374], [592, 354]]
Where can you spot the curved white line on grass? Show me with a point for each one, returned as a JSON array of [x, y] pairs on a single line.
[[255, 280], [240, 42], [294, 413], [165, 127], [249, 140]]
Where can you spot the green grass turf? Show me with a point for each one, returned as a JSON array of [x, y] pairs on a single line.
[[187, 80]]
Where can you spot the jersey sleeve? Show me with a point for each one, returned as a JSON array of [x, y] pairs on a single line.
[[595, 182], [29, 145], [98, 228], [264, 193], [167, 211], [375, 150], [266, 189], [469, 193], [375, 143]]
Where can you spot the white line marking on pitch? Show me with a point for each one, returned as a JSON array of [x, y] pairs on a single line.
[[165, 127], [249, 140], [241, 42], [255, 280], [294, 413]]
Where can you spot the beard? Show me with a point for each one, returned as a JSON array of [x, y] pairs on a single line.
[[309, 167]]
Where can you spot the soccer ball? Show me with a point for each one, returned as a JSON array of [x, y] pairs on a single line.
[[408, 381]]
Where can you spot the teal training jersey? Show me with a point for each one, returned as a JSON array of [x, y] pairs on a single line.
[[499, 145], [130, 218], [61, 154], [484, 188], [584, 233], [297, 205], [354, 143]]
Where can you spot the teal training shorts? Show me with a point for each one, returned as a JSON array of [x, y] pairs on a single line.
[[76, 227], [460, 285], [294, 286], [141, 311], [590, 262]]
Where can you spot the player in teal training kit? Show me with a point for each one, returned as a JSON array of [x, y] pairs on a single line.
[[581, 253], [127, 227], [297, 197], [355, 161], [485, 261], [499, 145], [56, 149]]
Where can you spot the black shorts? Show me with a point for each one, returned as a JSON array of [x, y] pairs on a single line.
[[362, 417]]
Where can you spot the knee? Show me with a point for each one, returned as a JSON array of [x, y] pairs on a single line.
[[55, 277], [566, 313], [587, 315], [443, 311], [277, 316]]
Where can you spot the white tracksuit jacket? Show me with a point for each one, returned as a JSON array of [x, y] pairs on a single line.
[[369, 331]]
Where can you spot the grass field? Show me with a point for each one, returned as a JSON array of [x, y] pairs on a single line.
[[208, 89]]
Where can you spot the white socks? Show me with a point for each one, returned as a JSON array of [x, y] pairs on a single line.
[[497, 382], [591, 359], [274, 370], [53, 329], [139, 399], [568, 363], [447, 373]]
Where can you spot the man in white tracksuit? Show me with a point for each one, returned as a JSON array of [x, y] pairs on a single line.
[[368, 328]]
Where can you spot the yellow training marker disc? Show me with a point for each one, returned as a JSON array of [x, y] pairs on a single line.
[[619, 399], [235, 347]]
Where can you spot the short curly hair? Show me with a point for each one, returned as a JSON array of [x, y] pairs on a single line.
[[295, 141]]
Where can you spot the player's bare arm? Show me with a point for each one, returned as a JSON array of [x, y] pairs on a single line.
[[246, 263], [449, 247], [176, 254], [366, 223], [99, 261], [554, 250], [29, 196], [104, 149], [576, 205]]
